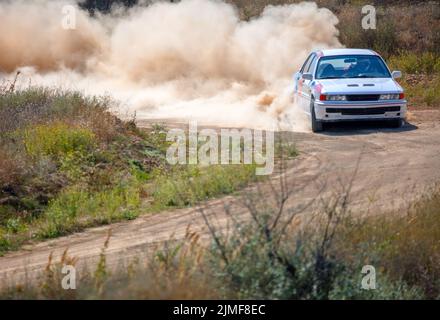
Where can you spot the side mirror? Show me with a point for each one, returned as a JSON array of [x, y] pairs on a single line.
[[396, 74], [307, 76]]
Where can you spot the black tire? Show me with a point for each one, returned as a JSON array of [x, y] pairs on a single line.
[[317, 126], [398, 123]]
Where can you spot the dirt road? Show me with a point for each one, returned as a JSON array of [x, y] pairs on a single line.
[[394, 167]]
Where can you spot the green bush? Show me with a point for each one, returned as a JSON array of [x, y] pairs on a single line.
[[406, 246], [431, 94], [383, 39], [423, 93], [57, 140], [37, 105], [257, 269], [413, 63], [5, 244]]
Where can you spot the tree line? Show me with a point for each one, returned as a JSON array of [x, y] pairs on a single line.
[[106, 5]]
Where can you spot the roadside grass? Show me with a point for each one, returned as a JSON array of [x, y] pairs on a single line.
[[319, 259], [75, 209], [177, 271], [181, 188], [67, 163], [421, 77], [405, 246], [422, 90]]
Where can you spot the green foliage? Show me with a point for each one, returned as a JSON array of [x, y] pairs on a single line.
[[406, 246], [421, 77], [36, 105], [431, 96], [250, 272], [14, 225], [4, 241], [254, 270], [75, 208], [423, 92], [187, 185], [347, 287], [383, 39], [286, 150], [57, 140], [105, 5], [413, 63]]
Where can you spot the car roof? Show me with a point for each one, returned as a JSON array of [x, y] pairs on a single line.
[[339, 52]]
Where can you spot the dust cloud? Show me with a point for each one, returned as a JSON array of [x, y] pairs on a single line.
[[194, 59]]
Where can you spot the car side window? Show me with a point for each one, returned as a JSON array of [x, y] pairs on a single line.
[[312, 64], [309, 62], [306, 64]]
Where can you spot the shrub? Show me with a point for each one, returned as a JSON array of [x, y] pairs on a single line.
[[430, 94], [35, 105], [57, 140], [4, 241], [406, 246], [422, 91], [412, 63], [10, 169], [407, 62], [247, 265]]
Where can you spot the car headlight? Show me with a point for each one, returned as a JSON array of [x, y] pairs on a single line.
[[336, 97], [390, 96]]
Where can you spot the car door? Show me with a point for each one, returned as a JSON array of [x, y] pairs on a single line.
[[298, 80]]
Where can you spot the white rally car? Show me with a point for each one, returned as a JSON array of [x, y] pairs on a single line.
[[346, 85]]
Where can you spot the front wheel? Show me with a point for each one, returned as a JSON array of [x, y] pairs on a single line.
[[317, 126], [398, 123]]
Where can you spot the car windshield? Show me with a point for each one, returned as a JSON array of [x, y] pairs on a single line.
[[351, 66]]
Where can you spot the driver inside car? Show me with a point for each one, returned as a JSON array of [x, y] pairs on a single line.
[[362, 66]]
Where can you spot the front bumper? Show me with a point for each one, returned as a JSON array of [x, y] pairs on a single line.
[[329, 111]]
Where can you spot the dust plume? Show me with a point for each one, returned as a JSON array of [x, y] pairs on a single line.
[[194, 59], [32, 35]]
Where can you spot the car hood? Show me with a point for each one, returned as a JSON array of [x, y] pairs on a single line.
[[359, 86]]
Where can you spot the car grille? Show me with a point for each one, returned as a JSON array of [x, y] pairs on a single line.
[[363, 97], [362, 111]]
